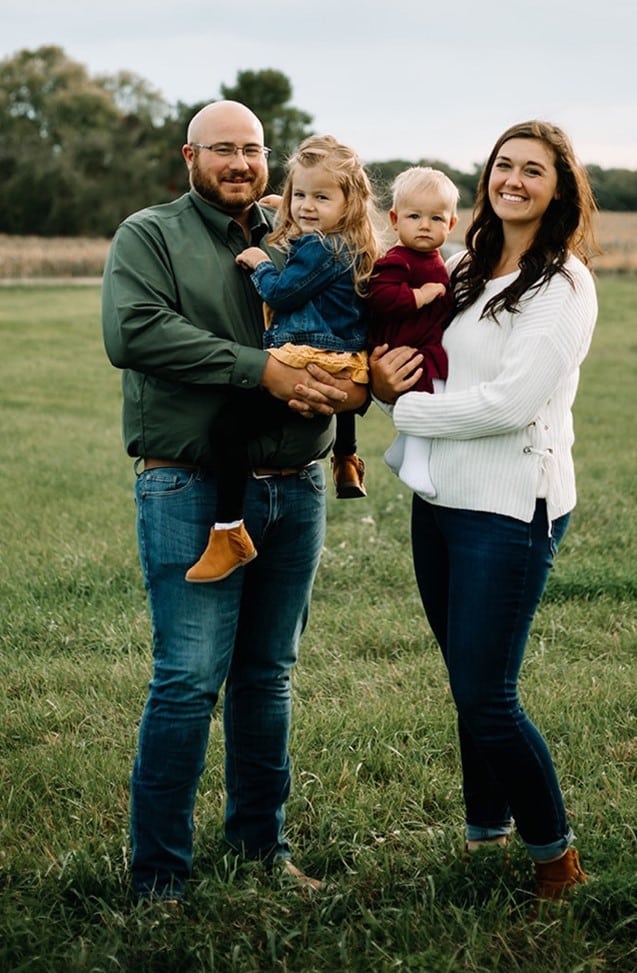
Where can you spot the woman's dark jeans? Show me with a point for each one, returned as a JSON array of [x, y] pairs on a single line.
[[481, 577]]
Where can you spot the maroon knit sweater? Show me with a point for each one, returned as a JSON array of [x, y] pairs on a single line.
[[394, 317]]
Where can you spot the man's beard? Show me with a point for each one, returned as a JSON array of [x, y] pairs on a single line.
[[230, 202]]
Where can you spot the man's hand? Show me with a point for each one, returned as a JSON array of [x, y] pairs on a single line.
[[312, 391], [302, 393], [327, 393], [393, 372]]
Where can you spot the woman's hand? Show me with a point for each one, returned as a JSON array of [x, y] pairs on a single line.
[[393, 372]]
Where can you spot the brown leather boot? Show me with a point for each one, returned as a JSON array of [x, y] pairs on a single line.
[[290, 871], [348, 473], [227, 550], [554, 880]]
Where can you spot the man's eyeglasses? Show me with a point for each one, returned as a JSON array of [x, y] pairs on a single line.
[[227, 150]]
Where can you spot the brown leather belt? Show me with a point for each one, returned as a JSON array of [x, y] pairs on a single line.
[[263, 471], [152, 463]]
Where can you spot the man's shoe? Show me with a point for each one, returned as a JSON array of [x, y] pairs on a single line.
[[289, 871], [227, 550], [158, 909], [554, 880], [348, 473], [487, 846]]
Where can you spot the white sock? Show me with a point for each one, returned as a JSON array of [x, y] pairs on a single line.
[[224, 526], [414, 469], [394, 454]]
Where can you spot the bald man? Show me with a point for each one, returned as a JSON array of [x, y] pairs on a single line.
[[185, 325]]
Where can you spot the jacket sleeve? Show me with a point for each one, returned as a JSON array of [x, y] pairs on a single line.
[[143, 328], [389, 291], [313, 263]]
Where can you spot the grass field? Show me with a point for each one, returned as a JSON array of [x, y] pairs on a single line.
[[376, 805]]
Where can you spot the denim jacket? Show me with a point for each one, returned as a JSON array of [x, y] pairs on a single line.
[[313, 296]]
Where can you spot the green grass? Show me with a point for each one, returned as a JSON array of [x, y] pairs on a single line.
[[376, 804]]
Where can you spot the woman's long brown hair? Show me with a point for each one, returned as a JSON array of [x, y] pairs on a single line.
[[566, 227]]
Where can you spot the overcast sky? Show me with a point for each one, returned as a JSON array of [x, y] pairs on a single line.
[[403, 79]]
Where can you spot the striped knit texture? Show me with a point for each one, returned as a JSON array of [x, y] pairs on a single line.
[[503, 428]]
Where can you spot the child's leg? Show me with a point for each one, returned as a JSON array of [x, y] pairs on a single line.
[[232, 473], [414, 469], [229, 446], [229, 544], [408, 457], [348, 469], [394, 454], [345, 442], [243, 419]]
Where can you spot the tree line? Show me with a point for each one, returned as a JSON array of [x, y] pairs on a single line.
[[78, 153]]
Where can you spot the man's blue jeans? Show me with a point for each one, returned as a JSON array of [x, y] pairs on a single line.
[[244, 630], [481, 577]]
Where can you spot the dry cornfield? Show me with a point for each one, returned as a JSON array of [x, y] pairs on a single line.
[[31, 257], [616, 232]]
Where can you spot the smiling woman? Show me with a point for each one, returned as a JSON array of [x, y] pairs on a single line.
[[555, 218], [501, 462], [522, 183]]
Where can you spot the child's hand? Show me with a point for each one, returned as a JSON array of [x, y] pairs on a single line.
[[428, 293], [273, 200], [251, 257]]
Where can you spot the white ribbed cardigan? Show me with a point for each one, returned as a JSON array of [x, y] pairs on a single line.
[[502, 430]]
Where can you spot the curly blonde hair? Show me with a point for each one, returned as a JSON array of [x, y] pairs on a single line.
[[358, 225]]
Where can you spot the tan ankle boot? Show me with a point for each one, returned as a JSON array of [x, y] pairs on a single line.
[[227, 550], [553, 880], [348, 473]]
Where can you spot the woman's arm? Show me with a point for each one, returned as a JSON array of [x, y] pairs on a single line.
[[546, 343]]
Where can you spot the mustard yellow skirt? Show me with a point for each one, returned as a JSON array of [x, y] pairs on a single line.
[[332, 361]]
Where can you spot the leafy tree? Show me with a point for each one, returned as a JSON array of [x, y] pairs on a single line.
[[615, 189], [75, 151], [78, 153], [383, 174], [45, 101], [268, 93], [169, 138]]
